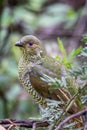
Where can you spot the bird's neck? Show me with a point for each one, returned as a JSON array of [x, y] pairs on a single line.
[[33, 57]]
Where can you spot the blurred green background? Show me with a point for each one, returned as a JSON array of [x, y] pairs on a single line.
[[46, 19]]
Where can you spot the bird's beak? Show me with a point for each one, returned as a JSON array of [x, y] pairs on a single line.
[[19, 44]]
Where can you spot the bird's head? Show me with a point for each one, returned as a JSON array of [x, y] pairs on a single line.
[[29, 45]]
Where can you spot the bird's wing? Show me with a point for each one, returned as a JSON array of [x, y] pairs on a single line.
[[38, 82]]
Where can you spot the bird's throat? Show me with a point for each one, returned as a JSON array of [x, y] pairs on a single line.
[[33, 57]]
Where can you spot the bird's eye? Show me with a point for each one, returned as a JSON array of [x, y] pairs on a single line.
[[30, 43]]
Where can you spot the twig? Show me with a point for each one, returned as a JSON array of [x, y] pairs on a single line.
[[2, 128], [34, 126], [70, 117], [23, 123], [85, 122], [67, 107]]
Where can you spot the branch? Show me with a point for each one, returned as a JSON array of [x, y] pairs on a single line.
[[85, 122], [9, 123], [83, 112], [67, 107]]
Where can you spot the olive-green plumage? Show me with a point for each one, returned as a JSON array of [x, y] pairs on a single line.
[[33, 64]]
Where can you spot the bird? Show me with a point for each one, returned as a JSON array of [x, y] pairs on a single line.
[[34, 65]]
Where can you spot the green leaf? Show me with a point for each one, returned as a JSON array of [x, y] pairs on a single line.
[[84, 38], [84, 52], [61, 47], [58, 58], [74, 53], [67, 60]]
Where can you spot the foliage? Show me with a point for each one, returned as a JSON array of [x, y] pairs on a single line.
[[84, 38], [67, 60], [80, 74]]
